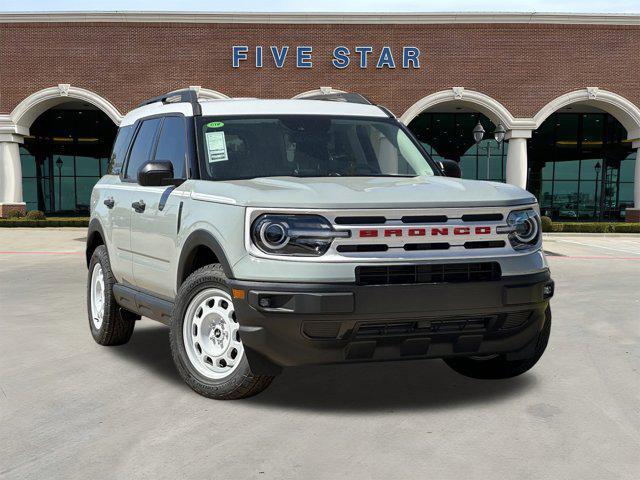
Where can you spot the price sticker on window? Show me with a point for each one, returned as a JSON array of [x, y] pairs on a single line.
[[216, 147]]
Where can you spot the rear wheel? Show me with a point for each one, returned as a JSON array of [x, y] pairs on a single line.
[[498, 366], [109, 324], [205, 339]]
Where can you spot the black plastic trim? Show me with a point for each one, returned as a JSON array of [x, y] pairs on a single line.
[[195, 240], [94, 227], [142, 303]]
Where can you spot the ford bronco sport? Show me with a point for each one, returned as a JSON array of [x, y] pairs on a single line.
[[274, 233]]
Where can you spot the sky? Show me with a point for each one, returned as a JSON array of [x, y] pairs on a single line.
[[573, 6]]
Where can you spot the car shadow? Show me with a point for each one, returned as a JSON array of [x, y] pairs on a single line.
[[149, 347], [391, 386]]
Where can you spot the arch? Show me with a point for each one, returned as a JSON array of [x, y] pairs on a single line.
[[480, 102], [318, 91], [622, 109], [37, 103]]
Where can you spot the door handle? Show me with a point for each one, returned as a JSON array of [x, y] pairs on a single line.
[[109, 202], [139, 206]]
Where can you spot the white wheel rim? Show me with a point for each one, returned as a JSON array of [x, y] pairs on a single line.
[[97, 296], [211, 334]]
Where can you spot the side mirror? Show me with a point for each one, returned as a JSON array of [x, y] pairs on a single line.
[[451, 168], [155, 174]]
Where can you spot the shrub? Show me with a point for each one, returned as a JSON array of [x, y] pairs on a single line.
[[547, 224], [627, 227], [35, 215], [15, 214]]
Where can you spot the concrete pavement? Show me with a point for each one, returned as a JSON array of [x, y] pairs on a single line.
[[72, 409]]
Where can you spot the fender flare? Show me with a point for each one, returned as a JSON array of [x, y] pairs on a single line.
[[196, 239], [94, 227]]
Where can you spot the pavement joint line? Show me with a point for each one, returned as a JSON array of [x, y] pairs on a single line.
[[598, 246], [40, 253], [593, 257]]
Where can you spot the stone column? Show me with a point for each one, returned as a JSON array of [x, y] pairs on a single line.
[[10, 174], [633, 214], [517, 157]]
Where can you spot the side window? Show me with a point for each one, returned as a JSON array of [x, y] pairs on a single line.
[[142, 145], [172, 145], [120, 146]]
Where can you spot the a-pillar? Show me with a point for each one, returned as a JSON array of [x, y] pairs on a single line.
[[517, 157], [10, 174]]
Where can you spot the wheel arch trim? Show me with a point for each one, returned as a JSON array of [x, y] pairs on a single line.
[[201, 238], [95, 228]]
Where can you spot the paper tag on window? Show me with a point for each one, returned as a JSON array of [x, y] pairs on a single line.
[[216, 147]]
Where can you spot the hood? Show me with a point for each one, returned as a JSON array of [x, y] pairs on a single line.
[[367, 192]]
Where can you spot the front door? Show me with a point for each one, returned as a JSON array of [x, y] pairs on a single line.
[[154, 220]]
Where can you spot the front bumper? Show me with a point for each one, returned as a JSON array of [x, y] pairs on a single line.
[[297, 324]]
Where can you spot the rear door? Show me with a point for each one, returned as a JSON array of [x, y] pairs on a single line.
[[116, 204], [154, 227]]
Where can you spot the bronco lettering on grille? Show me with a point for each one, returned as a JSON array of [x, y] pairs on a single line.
[[423, 232]]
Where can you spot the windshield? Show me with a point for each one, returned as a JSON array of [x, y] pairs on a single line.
[[308, 146]]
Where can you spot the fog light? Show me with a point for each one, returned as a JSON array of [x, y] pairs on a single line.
[[265, 302], [547, 290]]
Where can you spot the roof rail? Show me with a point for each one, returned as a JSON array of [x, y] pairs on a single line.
[[340, 97], [186, 95], [349, 98]]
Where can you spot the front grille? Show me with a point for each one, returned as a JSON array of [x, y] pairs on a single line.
[[362, 248], [426, 246], [491, 244], [369, 220], [434, 273], [455, 325]]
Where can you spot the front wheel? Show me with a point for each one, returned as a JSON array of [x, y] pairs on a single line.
[[205, 339], [497, 366]]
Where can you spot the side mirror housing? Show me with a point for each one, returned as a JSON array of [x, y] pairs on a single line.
[[155, 174], [451, 168]]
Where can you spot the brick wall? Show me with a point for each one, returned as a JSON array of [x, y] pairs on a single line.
[[522, 66]]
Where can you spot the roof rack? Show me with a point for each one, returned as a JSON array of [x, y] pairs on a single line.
[[347, 97], [186, 95], [340, 97]]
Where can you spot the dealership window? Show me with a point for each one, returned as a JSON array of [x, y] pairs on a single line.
[[450, 136], [64, 156], [581, 167]]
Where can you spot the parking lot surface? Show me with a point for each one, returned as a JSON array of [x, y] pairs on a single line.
[[72, 409]]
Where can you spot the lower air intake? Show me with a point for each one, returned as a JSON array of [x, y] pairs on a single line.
[[433, 273]]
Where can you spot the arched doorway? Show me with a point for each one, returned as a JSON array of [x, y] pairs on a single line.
[[582, 156], [581, 165], [50, 112], [64, 155], [444, 123], [448, 133]]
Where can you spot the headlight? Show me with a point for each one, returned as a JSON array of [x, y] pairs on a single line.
[[300, 235], [523, 229]]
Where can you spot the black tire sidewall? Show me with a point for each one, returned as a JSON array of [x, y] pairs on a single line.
[[203, 279], [117, 327], [100, 256]]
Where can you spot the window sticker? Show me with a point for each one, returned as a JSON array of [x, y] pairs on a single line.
[[216, 147], [215, 124]]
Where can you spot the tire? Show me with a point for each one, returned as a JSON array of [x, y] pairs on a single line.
[[109, 323], [204, 335], [498, 367]]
